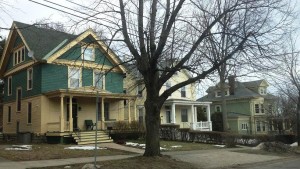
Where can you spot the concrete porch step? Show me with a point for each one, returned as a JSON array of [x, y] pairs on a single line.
[[88, 137]]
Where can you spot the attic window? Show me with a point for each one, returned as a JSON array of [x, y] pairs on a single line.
[[263, 91], [19, 55], [219, 93], [88, 53]]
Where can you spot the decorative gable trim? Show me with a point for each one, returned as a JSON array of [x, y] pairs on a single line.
[[111, 55]]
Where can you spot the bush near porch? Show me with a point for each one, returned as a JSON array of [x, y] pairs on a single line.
[[173, 132], [123, 130]]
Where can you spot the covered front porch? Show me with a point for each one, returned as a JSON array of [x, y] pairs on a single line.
[[185, 113], [70, 110]]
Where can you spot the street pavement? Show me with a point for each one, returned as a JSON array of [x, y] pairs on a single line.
[[291, 163]]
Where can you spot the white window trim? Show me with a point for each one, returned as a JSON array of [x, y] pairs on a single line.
[[226, 93], [28, 78], [103, 78], [80, 76], [9, 86], [244, 126], [15, 61], [83, 48]]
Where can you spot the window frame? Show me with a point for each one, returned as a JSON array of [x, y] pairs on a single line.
[[29, 78], [19, 99], [244, 126], [183, 91], [216, 108], [19, 55], [9, 86], [184, 117], [102, 77], [256, 108], [258, 127], [85, 48], [29, 113], [70, 76]]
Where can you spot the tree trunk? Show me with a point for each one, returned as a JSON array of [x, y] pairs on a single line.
[[152, 127]]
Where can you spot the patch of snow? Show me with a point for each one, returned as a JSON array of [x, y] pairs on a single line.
[[142, 145], [161, 148], [84, 148], [20, 147], [176, 146], [259, 147], [132, 144], [294, 144], [219, 146]]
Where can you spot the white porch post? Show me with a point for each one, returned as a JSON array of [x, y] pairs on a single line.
[[173, 114], [129, 109], [62, 120], [70, 114], [193, 117], [134, 109], [208, 117]]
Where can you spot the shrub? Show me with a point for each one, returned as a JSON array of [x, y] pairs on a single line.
[[286, 138], [121, 125], [230, 140], [276, 147]]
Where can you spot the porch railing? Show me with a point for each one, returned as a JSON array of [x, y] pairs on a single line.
[[202, 126]]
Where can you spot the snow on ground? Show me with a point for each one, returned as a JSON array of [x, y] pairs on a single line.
[[294, 144], [85, 148], [144, 145], [220, 146], [20, 147], [176, 146]]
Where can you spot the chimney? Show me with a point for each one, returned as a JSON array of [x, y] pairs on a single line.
[[231, 82]]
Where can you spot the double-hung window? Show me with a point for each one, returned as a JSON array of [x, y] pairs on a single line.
[[29, 78], [74, 77], [99, 79], [183, 92], [19, 55]]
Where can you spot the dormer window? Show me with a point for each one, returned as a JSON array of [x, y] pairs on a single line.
[[88, 53], [263, 91], [219, 93], [19, 55]]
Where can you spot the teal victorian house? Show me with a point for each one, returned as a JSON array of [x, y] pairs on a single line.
[[52, 80]]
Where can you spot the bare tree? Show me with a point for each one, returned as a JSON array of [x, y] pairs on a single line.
[[156, 31], [287, 76]]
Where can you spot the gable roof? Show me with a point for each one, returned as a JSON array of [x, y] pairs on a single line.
[[241, 91], [48, 44]]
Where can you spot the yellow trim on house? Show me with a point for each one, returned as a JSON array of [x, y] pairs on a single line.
[[18, 68], [111, 55], [85, 64]]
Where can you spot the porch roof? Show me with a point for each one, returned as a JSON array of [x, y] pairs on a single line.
[[186, 102], [89, 91]]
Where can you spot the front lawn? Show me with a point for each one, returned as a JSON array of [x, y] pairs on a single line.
[[53, 151], [140, 162], [175, 145]]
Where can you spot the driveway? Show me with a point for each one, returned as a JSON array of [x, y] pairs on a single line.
[[220, 158]]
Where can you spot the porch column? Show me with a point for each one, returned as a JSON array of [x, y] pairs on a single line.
[[62, 120], [70, 114], [193, 117], [102, 113], [129, 118], [134, 109], [208, 117], [173, 114]]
